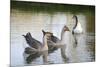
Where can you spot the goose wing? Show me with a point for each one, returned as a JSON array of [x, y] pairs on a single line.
[[29, 50], [32, 42], [54, 39]]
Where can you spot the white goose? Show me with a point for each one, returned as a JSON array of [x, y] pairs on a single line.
[[66, 44], [77, 29]]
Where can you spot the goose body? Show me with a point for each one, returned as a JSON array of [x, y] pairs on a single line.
[[65, 39], [77, 29], [36, 48], [33, 43]]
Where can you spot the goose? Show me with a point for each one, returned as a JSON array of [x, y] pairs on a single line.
[[52, 40], [77, 29], [64, 42], [55, 42], [36, 48], [31, 41]]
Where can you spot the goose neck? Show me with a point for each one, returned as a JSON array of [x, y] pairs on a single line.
[[76, 23], [62, 33], [45, 46]]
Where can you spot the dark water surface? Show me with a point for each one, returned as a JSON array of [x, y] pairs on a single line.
[[33, 17]]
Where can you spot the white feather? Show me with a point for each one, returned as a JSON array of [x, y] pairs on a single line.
[[68, 40], [78, 28]]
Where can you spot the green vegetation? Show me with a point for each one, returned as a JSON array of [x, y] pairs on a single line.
[[35, 7], [49, 7]]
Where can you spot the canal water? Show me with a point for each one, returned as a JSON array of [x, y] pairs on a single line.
[[25, 20]]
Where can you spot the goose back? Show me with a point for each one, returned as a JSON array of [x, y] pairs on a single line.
[[32, 42]]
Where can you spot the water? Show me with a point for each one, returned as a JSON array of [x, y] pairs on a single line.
[[23, 21]]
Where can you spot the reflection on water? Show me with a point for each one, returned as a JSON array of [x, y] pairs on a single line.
[[23, 22]]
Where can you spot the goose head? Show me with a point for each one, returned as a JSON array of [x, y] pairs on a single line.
[[47, 34], [65, 28]]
